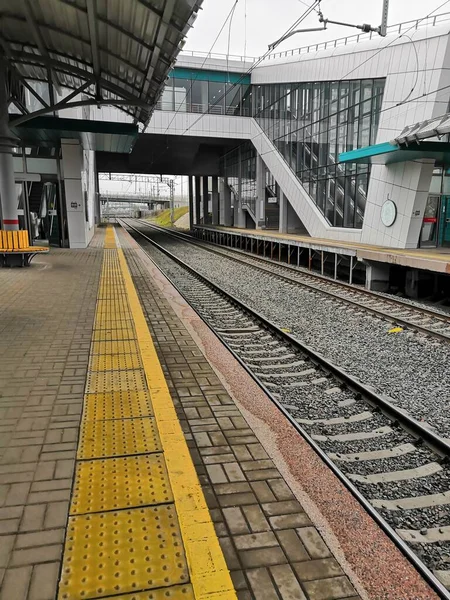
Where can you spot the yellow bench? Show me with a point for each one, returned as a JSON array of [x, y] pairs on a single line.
[[15, 249]]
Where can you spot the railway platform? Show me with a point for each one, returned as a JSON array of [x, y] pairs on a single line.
[[431, 259], [418, 272], [139, 461]]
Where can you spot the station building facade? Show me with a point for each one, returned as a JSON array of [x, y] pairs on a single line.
[[307, 111]]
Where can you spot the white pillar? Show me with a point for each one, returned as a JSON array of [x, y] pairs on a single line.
[[261, 193], [8, 194], [227, 217], [239, 216], [72, 162], [197, 200], [205, 194], [215, 200], [283, 225], [191, 202]]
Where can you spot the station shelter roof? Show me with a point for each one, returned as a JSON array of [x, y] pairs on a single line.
[[113, 51]]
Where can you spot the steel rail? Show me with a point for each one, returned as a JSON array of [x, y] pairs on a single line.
[[366, 393], [380, 313]]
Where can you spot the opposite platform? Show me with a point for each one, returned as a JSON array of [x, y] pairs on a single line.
[[431, 259]]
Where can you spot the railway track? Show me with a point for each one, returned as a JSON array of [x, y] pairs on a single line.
[[421, 319], [394, 465]]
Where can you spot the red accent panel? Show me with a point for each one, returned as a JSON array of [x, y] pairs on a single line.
[[10, 221], [430, 220]]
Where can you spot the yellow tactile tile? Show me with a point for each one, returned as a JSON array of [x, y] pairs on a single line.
[[114, 304], [117, 405], [105, 335], [114, 483], [178, 592], [122, 437], [144, 545], [119, 362], [115, 347], [115, 381]]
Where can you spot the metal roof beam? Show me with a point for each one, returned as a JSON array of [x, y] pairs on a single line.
[[62, 105], [35, 31], [93, 33], [160, 14], [78, 39], [30, 58], [160, 37], [118, 28], [64, 67]]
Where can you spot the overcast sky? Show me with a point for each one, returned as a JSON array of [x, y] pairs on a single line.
[[268, 20]]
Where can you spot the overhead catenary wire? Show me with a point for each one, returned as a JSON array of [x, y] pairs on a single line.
[[344, 77]]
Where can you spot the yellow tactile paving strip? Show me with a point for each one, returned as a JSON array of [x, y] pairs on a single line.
[[139, 527]]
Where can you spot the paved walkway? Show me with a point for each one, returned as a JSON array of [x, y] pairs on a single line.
[[46, 318]]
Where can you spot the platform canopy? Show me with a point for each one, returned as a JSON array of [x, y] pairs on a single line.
[[411, 144], [116, 52]]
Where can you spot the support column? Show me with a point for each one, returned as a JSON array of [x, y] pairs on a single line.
[[215, 200], [191, 202], [283, 212], [72, 162], [261, 193], [205, 200], [239, 216], [227, 216], [197, 200], [98, 210], [8, 195], [377, 276]]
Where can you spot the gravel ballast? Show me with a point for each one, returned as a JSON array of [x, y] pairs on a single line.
[[409, 368]]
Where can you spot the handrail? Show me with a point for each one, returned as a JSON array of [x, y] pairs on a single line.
[[396, 29]]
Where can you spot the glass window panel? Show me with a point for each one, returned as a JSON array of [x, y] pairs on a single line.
[[199, 96], [216, 98], [166, 100], [233, 99], [182, 94], [310, 124]]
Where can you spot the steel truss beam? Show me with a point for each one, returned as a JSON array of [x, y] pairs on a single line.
[[64, 105], [30, 58]]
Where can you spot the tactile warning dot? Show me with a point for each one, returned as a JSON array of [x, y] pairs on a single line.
[[120, 362], [115, 304], [109, 294], [117, 405], [177, 592], [115, 381], [113, 334], [115, 483], [124, 437], [120, 552], [113, 322], [115, 347]]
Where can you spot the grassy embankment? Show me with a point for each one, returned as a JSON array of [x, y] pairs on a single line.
[[163, 219]]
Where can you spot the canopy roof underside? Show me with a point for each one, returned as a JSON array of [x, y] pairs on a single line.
[[116, 51]]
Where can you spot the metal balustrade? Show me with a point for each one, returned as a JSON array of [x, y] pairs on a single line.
[[396, 29]]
